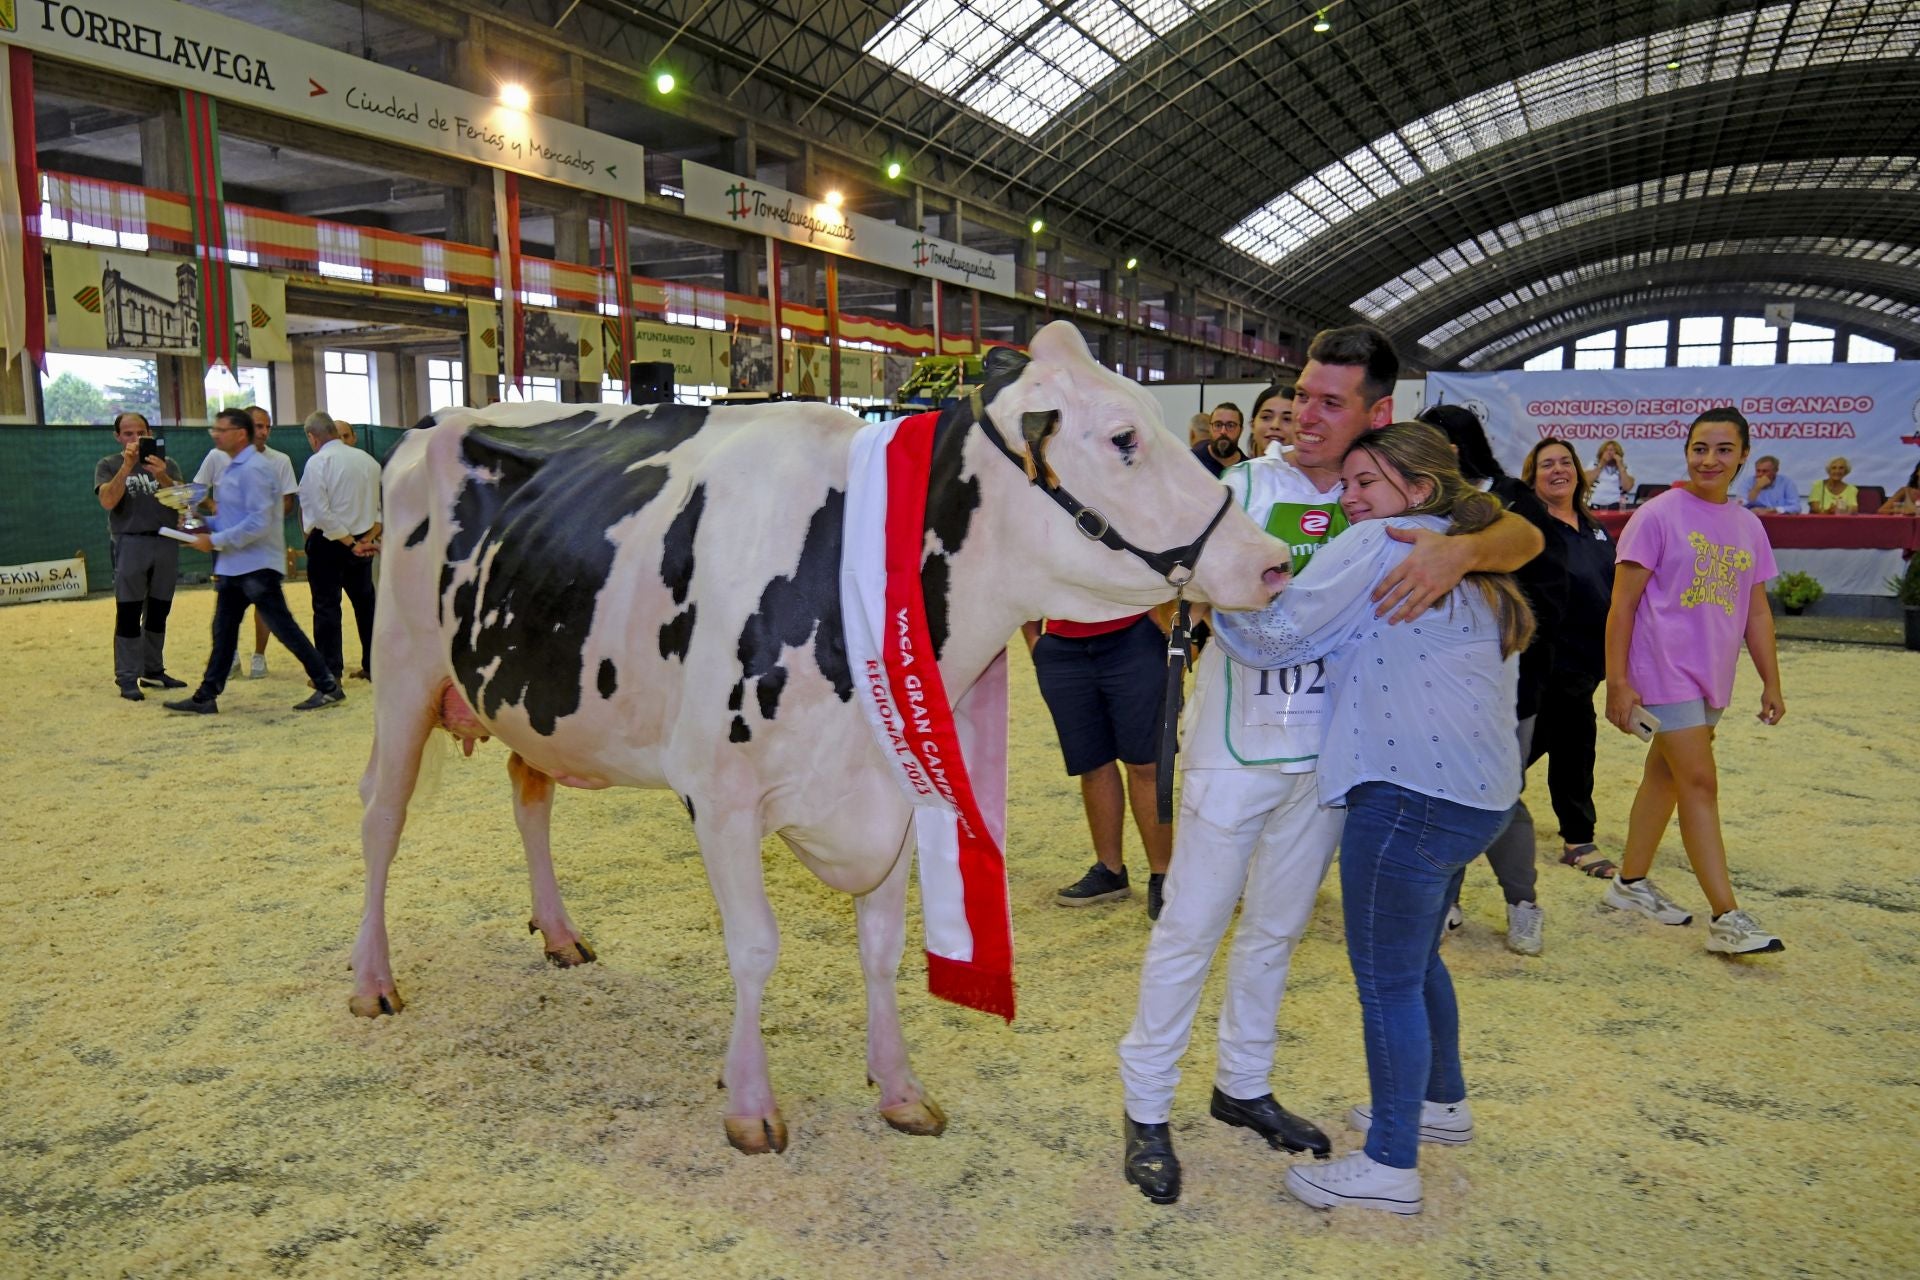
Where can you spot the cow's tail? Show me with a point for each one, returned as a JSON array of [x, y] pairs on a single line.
[[433, 767]]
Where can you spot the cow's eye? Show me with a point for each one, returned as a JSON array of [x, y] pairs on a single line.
[[1127, 441]]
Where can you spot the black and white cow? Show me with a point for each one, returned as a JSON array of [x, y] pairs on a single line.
[[649, 597]]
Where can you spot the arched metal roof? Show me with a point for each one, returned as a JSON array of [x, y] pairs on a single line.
[[1418, 157]]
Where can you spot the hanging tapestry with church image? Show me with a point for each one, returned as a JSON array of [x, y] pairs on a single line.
[[111, 301]]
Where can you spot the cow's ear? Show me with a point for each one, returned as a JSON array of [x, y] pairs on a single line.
[[1038, 428], [1003, 362]]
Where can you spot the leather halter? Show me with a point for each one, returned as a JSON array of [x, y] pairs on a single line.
[[1174, 564]]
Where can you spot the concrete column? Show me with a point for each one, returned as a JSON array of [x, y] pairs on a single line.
[[408, 383], [163, 164], [305, 368], [16, 379]]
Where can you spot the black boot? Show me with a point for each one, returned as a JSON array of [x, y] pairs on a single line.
[[1266, 1117], [1150, 1163]]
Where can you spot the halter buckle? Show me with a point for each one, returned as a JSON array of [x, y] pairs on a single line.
[[1094, 529]]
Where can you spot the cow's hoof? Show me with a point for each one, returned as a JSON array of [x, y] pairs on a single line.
[[923, 1119], [757, 1135], [374, 1005], [576, 953]]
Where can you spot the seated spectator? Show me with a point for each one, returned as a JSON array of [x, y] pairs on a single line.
[[1222, 450], [1199, 429], [1609, 483], [1771, 491], [1905, 500], [1834, 496]]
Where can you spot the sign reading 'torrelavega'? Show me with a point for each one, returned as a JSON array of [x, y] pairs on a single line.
[[715, 195], [214, 54]]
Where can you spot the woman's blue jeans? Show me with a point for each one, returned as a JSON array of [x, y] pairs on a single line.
[[1401, 860]]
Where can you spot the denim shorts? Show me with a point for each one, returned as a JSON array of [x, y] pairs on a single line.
[[1694, 713]]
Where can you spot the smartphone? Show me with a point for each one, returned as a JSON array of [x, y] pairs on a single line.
[[152, 448], [1643, 723]]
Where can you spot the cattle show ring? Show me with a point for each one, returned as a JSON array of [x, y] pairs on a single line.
[[189, 1095]]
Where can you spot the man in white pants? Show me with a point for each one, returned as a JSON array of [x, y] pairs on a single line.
[[1252, 830]]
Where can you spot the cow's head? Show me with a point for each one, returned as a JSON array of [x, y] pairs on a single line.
[[1094, 434]]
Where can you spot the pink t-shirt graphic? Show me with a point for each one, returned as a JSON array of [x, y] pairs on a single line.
[[1706, 558]]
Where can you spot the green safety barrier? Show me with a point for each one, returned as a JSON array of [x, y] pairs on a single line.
[[48, 510]]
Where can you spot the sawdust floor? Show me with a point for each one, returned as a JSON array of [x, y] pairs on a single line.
[[186, 1094]]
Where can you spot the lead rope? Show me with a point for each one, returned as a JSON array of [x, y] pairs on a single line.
[[1179, 651]]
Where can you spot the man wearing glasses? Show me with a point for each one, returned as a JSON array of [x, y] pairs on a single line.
[[248, 543]]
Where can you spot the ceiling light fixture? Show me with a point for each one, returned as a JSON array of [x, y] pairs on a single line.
[[1132, 263], [1320, 24], [1674, 65], [664, 83], [515, 97], [1039, 225], [894, 169], [834, 199]]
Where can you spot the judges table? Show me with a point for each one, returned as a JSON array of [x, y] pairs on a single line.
[[1850, 555]]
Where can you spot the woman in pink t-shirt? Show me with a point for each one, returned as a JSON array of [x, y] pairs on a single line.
[[1689, 587]]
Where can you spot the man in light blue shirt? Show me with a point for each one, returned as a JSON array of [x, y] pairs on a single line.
[[1772, 491], [249, 549]]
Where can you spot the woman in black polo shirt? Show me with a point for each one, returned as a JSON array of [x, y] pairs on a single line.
[[1565, 728]]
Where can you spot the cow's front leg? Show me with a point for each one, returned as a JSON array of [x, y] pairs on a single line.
[[533, 814], [730, 847], [400, 735], [882, 919]]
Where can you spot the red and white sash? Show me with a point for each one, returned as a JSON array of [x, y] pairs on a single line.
[[950, 759]]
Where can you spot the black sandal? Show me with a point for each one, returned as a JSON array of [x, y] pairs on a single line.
[[1588, 859]]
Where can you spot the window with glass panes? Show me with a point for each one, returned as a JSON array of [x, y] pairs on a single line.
[[1647, 345], [1809, 344], [350, 391], [446, 384], [1595, 351], [1548, 361], [1754, 341], [1699, 341], [536, 389]]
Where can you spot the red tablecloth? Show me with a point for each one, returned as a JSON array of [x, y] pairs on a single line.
[[1819, 533]]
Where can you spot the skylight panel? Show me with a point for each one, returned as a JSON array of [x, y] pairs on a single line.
[[1783, 35], [972, 48], [1874, 173]]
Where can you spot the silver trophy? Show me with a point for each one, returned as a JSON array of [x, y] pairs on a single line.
[[185, 498]]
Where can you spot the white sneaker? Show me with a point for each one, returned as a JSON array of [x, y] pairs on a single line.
[[239, 667], [1737, 934], [259, 669], [1645, 898], [1525, 921], [1455, 918], [1450, 1124], [1356, 1181]]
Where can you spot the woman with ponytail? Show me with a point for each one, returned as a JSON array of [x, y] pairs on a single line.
[[1418, 746]]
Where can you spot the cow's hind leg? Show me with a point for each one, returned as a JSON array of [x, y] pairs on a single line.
[[730, 847], [882, 919], [533, 814], [401, 728]]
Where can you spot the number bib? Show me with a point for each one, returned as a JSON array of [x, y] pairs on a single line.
[[1293, 698]]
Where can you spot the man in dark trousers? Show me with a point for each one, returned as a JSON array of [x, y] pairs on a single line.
[[249, 546], [340, 507], [145, 564]]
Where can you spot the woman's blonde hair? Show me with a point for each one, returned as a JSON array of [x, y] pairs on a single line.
[[1619, 452], [1419, 454]]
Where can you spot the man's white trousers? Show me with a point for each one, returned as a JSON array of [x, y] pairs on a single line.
[[1253, 836]]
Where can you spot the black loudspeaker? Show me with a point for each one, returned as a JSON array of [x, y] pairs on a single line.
[[650, 382]]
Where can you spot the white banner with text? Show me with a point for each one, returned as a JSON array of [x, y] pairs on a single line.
[[225, 58], [43, 580], [714, 195], [1803, 414]]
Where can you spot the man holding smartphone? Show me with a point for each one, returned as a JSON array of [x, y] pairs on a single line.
[[145, 565]]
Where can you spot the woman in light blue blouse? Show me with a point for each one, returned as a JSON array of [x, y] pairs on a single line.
[[1419, 746]]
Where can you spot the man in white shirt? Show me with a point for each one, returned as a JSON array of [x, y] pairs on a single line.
[[1252, 830], [340, 510], [211, 469]]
